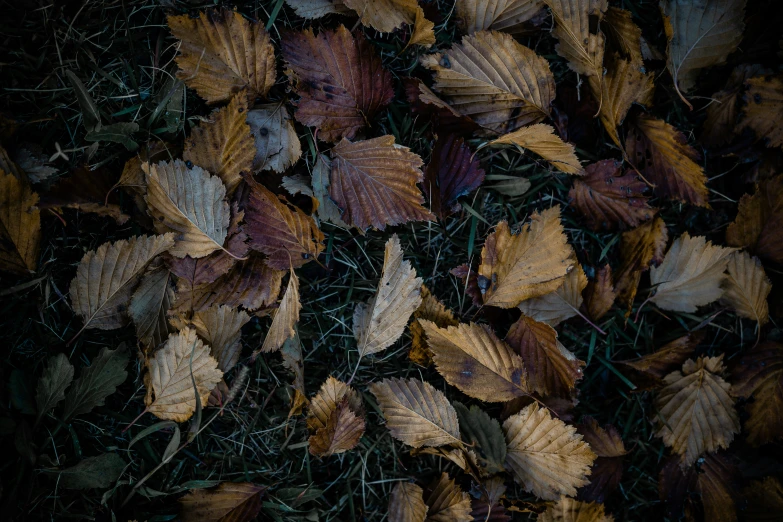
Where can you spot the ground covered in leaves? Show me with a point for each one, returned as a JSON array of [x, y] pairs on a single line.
[[312, 260]]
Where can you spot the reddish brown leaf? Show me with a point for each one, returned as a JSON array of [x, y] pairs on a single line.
[[85, 190], [759, 223], [469, 278], [451, 173], [609, 199], [340, 80], [709, 484], [439, 113], [759, 376], [666, 359], [599, 295], [721, 123], [607, 469]]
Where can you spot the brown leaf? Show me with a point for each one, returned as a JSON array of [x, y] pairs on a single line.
[[609, 199], [342, 431], [639, 248], [759, 222], [327, 210], [763, 498], [722, 113], [599, 295], [374, 183], [20, 226], [498, 15], [223, 144], [277, 145], [712, 480], [499, 83], [663, 156], [571, 510], [760, 375], [560, 305], [229, 502], [488, 508], [763, 109], [622, 34], [666, 358], [451, 173], [285, 318], [312, 9], [293, 359], [447, 502], [746, 288], [542, 140], [384, 15], [340, 80], [85, 190], [442, 116], [470, 280], [288, 236], [607, 469], [221, 53], [430, 309], [423, 31], [149, 305], [526, 265], [551, 368], [406, 503], [581, 45], [696, 414], [221, 327]]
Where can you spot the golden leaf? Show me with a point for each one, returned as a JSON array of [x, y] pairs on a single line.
[[672, 355], [423, 32], [331, 393], [760, 375], [172, 370], [447, 502], [547, 456], [746, 288], [583, 48], [384, 15], [221, 53], [342, 431], [472, 358], [406, 503], [696, 414], [190, 203], [229, 502], [571, 510], [416, 413], [286, 317], [276, 141], [379, 323], [20, 226], [542, 140], [221, 327], [149, 305], [498, 15], [759, 222], [526, 265], [639, 248], [560, 305], [433, 310], [494, 80], [764, 109]]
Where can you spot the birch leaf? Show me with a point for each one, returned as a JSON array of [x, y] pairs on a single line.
[[746, 288]]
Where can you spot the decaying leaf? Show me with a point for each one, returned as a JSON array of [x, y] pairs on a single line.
[[609, 199], [423, 32], [442, 115], [759, 222], [526, 265], [607, 469], [451, 173], [277, 144], [499, 15], [488, 508], [221, 328], [666, 358], [763, 108], [329, 396], [560, 305], [696, 414], [149, 305], [483, 433], [228, 502], [285, 318], [499, 83], [447, 502], [746, 288], [570, 510], [406, 503], [430, 309], [342, 432], [312, 9], [551, 369], [690, 275], [581, 41], [190, 203], [223, 145], [760, 375], [380, 322], [711, 482], [55, 379], [172, 370], [93, 472], [20, 226], [663, 156], [327, 210], [639, 248], [374, 183], [416, 413], [762, 498], [722, 113], [221, 53], [472, 358], [547, 457], [599, 295], [542, 140], [340, 80], [95, 383]]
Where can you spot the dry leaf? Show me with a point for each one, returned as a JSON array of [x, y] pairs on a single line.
[[452, 172], [221, 328], [494, 80], [690, 275], [696, 414], [416, 413], [663, 156], [286, 317], [721, 123], [374, 183], [327, 210], [406, 503], [423, 32], [190, 203], [746, 288], [526, 265], [763, 497], [340, 80], [293, 359], [763, 109], [487, 508], [622, 34], [87, 191], [20, 226], [710, 482], [430, 309], [229, 502], [542, 140], [560, 305], [172, 370], [288, 236], [547, 457], [760, 375], [759, 222], [442, 115], [312, 9], [149, 305], [384, 15], [599, 295], [472, 358], [499, 15], [223, 145], [581, 42], [571, 510], [607, 469], [447, 502], [329, 396], [639, 248], [667, 358], [221, 53], [276, 141], [342, 432], [551, 368], [483, 433], [101, 290], [700, 35]]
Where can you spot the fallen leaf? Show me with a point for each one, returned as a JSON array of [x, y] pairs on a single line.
[[442, 115], [384, 15], [690, 275], [93, 472], [293, 359], [95, 383], [285, 318], [184, 363], [560, 305], [571, 510], [759, 375], [526, 265], [85, 190], [105, 278], [599, 295], [551, 369], [639, 248], [547, 457], [696, 414], [499, 83], [759, 222], [622, 34], [430, 309], [607, 469], [663, 156], [722, 113], [423, 32], [342, 432], [499, 15], [473, 359], [763, 109], [581, 42], [228, 502], [470, 279], [288, 236], [374, 183], [609, 199], [221, 328], [190, 203], [416, 413], [763, 497], [406, 503], [221, 53], [700, 36], [483, 433], [465, 460], [447, 502], [327, 210], [20, 226], [276, 141], [312, 9], [710, 482], [487, 508], [149, 306], [451, 173], [55, 379], [115, 133], [340, 80], [667, 358], [746, 288], [542, 140], [222, 145], [325, 402], [34, 162]]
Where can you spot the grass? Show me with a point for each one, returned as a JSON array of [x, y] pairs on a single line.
[[123, 53]]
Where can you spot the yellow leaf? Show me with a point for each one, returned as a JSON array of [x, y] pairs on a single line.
[[763, 110], [384, 15], [542, 140], [406, 503], [20, 226], [276, 141], [332, 392], [583, 48], [498, 15], [746, 288], [560, 305], [571, 510], [447, 502], [423, 32], [221, 327], [285, 319]]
